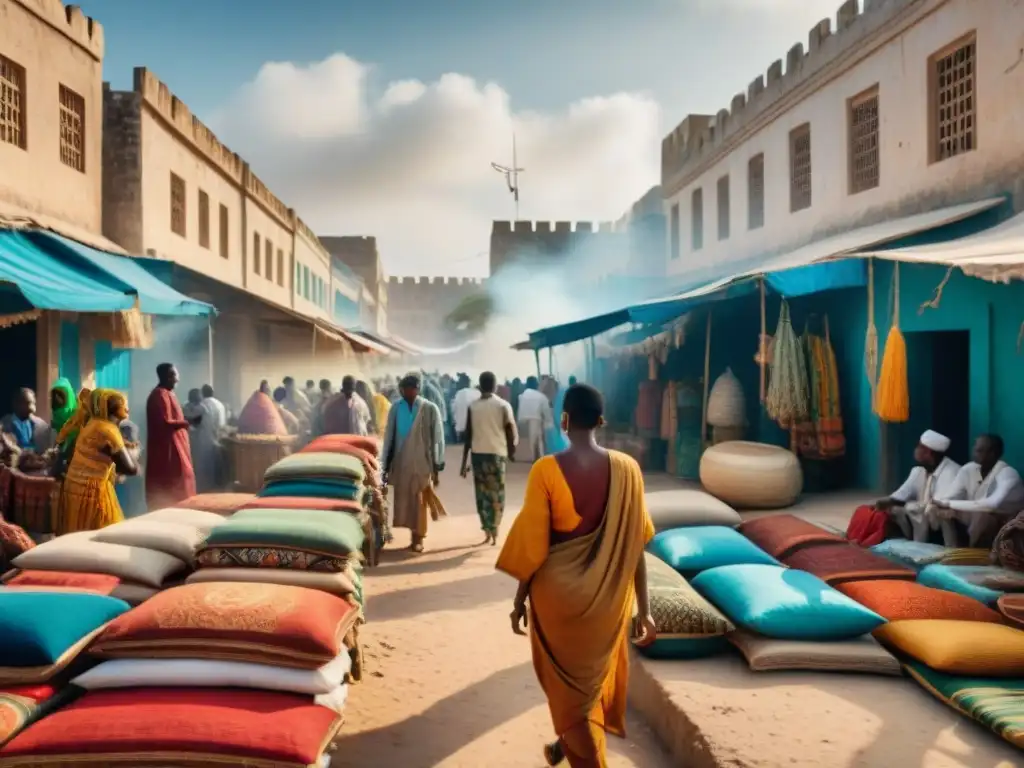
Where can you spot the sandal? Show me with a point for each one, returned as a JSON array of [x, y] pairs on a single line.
[[553, 753]]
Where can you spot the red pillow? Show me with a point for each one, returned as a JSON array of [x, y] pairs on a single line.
[[898, 600], [18, 706], [302, 502], [100, 583], [780, 535], [335, 444], [273, 624], [193, 726], [836, 563]]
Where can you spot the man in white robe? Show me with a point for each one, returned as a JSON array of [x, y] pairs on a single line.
[[535, 417], [988, 494], [935, 476], [464, 397]]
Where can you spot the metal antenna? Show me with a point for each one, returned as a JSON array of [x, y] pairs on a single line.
[[511, 175]]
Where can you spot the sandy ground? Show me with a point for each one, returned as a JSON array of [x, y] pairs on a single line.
[[448, 684]]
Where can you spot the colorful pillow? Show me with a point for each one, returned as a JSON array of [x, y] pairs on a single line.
[[958, 579], [781, 535], [217, 503], [208, 673], [959, 647], [258, 623], [98, 583], [325, 489], [1012, 607], [33, 645], [897, 600], [836, 563], [687, 507], [859, 654], [13, 541], [992, 577], [340, 584], [175, 539], [306, 465], [784, 603], [21, 706], [304, 502], [193, 726], [692, 550], [997, 705], [327, 443], [916, 554], [197, 518], [74, 553], [688, 626]]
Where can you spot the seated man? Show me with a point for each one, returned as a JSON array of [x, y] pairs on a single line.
[[28, 431], [935, 476], [989, 493]]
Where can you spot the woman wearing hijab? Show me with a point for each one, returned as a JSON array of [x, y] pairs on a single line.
[[63, 404], [76, 420]]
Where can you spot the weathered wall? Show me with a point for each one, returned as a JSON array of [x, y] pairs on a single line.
[[888, 46], [55, 45], [513, 241], [360, 254], [311, 256], [267, 219], [417, 306]]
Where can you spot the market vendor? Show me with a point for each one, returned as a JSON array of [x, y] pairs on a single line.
[[29, 431], [934, 477], [987, 495]]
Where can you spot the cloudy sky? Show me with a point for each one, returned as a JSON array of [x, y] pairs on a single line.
[[381, 117]]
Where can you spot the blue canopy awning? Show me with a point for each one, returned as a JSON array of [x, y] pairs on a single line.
[[126, 275], [33, 276]]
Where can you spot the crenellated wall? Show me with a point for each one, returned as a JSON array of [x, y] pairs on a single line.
[[513, 241], [417, 306], [69, 21]]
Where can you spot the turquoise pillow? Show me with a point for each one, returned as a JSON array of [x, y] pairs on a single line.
[[317, 489], [37, 628], [951, 578], [785, 603], [692, 550], [685, 648], [913, 554]]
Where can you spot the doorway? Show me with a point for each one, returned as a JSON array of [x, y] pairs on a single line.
[[938, 365], [18, 343]]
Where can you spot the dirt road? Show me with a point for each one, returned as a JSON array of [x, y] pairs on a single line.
[[448, 684]]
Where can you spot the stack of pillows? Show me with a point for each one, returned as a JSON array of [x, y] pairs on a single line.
[[226, 672]]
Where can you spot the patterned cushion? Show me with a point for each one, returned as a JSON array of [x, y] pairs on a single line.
[[218, 503], [20, 706], [859, 654], [303, 502], [325, 489], [13, 541], [1012, 607], [260, 623], [316, 465], [179, 726], [959, 647], [328, 443], [692, 550], [998, 705], [34, 647], [783, 603], [686, 507], [836, 563], [780, 535], [961, 579], [75, 552], [897, 600]]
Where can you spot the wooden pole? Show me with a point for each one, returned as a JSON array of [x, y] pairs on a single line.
[[707, 384], [536, 359], [762, 346]]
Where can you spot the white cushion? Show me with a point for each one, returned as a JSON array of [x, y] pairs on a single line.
[[209, 673], [687, 507], [197, 518], [334, 700], [84, 555], [177, 539], [860, 654]]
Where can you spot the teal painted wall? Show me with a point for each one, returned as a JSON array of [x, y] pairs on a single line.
[[70, 364], [113, 367]]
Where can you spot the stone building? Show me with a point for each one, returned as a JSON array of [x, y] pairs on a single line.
[[596, 251], [419, 306], [174, 193], [359, 254]]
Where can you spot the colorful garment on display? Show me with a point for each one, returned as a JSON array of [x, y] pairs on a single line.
[[821, 435]]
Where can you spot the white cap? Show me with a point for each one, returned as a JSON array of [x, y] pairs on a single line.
[[934, 441]]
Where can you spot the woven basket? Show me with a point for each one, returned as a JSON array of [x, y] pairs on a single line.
[[727, 407], [33, 502], [250, 456], [751, 475]]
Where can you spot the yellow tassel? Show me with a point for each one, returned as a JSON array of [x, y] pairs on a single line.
[[892, 398]]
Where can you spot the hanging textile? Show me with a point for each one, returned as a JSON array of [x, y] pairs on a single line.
[[787, 400], [648, 408], [892, 397], [821, 435]]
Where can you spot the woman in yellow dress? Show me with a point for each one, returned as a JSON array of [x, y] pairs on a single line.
[[576, 549], [88, 500]]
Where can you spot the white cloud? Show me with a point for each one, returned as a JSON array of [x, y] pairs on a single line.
[[410, 161]]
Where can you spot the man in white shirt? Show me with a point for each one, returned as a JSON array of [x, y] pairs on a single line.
[[491, 439], [988, 494], [534, 418], [935, 476], [464, 397]]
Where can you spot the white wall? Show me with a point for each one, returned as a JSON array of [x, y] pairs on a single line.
[[899, 67], [277, 286], [309, 254]]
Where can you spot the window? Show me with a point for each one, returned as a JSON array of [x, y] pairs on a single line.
[[178, 205], [204, 219], [224, 239], [305, 283], [723, 208], [298, 277], [864, 155], [257, 252], [697, 216], [269, 257], [674, 232], [755, 192], [12, 103], [280, 267], [800, 168], [953, 102], [72, 129]]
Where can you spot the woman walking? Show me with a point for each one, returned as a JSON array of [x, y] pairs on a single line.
[[576, 549]]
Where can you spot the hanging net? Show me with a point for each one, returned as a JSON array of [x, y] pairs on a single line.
[[787, 401]]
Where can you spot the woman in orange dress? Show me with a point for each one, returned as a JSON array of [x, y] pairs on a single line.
[[88, 497], [576, 549]]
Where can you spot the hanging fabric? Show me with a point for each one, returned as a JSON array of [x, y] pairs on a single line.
[[871, 337], [787, 399], [892, 398], [820, 436]]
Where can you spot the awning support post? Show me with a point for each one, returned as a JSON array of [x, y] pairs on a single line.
[[209, 348], [707, 384]]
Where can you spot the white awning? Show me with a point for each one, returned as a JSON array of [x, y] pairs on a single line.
[[995, 254]]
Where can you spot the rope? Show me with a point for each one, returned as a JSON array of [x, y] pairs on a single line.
[[871, 337], [937, 296]]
